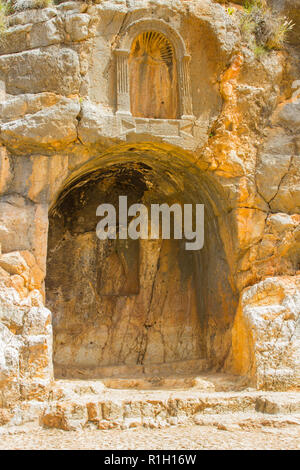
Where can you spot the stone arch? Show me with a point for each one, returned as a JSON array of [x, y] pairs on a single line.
[[151, 24], [122, 53], [202, 305]]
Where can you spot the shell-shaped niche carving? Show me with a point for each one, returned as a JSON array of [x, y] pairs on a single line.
[[153, 77]]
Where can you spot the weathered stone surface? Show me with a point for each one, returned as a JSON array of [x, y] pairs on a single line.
[[66, 416], [155, 409], [25, 331], [274, 162], [9, 367], [32, 16], [77, 26], [266, 334], [281, 222], [14, 263], [14, 39], [17, 107], [5, 170], [287, 198], [289, 115], [83, 110], [91, 125], [18, 213], [49, 69], [20, 37], [154, 343], [278, 250], [16, 218], [249, 226], [46, 33]]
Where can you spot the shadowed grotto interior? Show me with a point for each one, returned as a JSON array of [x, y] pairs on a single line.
[[130, 307]]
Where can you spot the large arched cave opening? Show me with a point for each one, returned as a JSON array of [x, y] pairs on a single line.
[[125, 307]]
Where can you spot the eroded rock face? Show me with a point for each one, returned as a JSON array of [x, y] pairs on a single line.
[[25, 331], [234, 146], [266, 333], [123, 324], [48, 69], [130, 302]]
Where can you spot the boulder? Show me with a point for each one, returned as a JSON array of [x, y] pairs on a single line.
[[77, 26], [52, 69], [266, 334]]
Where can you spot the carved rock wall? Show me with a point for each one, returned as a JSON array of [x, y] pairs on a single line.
[[239, 154], [26, 370]]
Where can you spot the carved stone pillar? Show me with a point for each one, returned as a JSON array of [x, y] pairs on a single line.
[[123, 94], [185, 86]]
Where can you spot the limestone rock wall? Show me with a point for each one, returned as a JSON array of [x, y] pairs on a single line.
[[58, 115], [266, 333], [26, 368]]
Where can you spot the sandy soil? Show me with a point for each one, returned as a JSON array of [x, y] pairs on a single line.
[[180, 437]]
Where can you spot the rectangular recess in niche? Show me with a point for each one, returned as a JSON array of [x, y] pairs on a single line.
[[118, 267]]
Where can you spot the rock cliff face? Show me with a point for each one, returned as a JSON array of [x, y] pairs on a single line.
[[69, 141]]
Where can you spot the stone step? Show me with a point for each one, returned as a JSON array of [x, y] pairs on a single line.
[[277, 402], [150, 401], [191, 366], [158, 382], [108, 409], [246, 421], [202, 381], [80, 405]]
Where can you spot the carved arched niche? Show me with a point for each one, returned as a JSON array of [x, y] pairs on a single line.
[[153, 79]]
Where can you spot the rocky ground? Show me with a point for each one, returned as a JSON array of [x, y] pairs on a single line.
[[229, 435]]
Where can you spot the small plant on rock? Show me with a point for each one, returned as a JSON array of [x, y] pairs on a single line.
[[280, 33], [259, 50], [261, 28], [230, 11]]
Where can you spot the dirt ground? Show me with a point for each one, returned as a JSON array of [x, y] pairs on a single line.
[[179, 437]]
